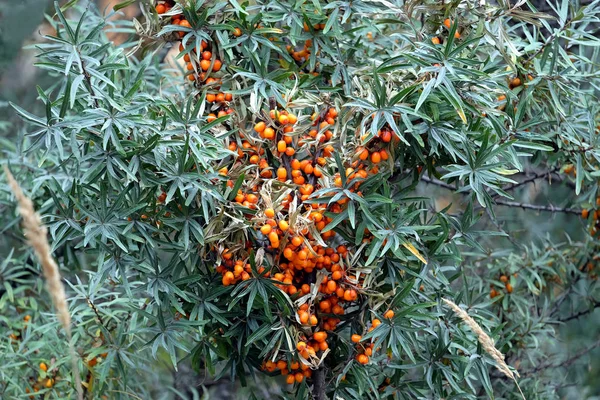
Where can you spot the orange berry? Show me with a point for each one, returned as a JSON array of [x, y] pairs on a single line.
[[217, 65], [363, 359], [389, 314], [205, 65], [290, 379], [435, 40], [281, 173], [260, 127], [320, 336], [299, 376], [375, 157], [273, 237], [313, 320], [447, 23], [356, 338], [160, 9], [269, 133], [303, 316], [43, 367], [376, 323], [283, 225], [584, 214], [331, 286], [301, 346], [269, 213], [266, 229], [509, 288], [237, 32], [281, 146]]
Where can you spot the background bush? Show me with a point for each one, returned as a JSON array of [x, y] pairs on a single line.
[[485, 195]]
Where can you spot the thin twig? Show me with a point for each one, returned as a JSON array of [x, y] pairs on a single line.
[[566, 363], [548, 208], [530, 179], [438, 182], [595, 305]]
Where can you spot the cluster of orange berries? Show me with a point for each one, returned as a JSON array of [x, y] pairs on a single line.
[[375, 150], [589, 267], [43, 380], [234, 272], [16, 336], [448, 25], [585, 213], [300, 55], [295, 371], [178, 19], [507, 285], [200, 64], [364, 351]]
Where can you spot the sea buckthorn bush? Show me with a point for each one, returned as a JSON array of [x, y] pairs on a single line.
[[283, 194]]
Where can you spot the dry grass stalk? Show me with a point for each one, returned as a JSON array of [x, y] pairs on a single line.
[[36, 234], [486, 342]]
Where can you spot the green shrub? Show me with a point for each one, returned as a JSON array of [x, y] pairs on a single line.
[[247, 211]]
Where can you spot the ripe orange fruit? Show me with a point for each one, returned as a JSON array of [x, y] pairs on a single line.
[[283, 225], [376, 323], [266, 229], [269, 133], [447, 23], [205, 65], [363, 359], [281, 173], [290, 379], [237, 32], [356, 338], [206, 55], [217, 65], [303, 316], [375, 157], [43, 367], [389, 314], [320, 336], [269, 213], [435, 40], [504, 279], [161, 9], [281, 146], [260, 127], [584, 213], [509, 288]]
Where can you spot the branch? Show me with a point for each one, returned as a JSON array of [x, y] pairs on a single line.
[[595, 305], [88, 80], [567, 362], [439, 183], [532, 178], [319, 384], [549, 208]]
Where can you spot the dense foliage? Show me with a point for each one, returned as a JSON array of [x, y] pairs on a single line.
[[261, 204]]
